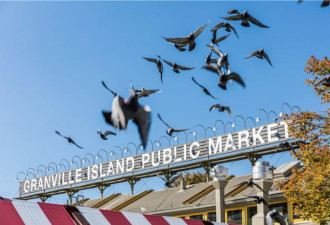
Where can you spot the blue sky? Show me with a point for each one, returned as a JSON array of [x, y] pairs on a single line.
[[53, 56]]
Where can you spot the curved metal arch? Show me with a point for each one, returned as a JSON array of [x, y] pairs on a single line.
[[44, 172], [76, 156], [258, 116], [168, 140], [89, 154], [268, 114], [54, 168], [33, 173], [60, 166], [66, 162], [99, 156], [17, 178], [71, 163], [224, 126], [285, 104], [136, 147], [176, 138], [106, 153], [209, 128], [231, 124], [126, 150], [239, 116], [296, 107], [113, 153], [195, 131], [86, 159], [254, 122]]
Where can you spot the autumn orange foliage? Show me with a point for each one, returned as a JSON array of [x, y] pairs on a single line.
[[309, 186]]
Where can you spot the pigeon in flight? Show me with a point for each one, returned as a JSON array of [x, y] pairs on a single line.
[[233, 11], [260, 54], [105, 134], [275, 216], [221, 108], [260, 200], [245, 17], [228, 27], [176, 67], [250, 183], [180, 47], [159, 65], [208, 59], [204, 89], [170, 129], [69, 139], [189, 40], [106, 87], [232, 76], [223, 58], [125, 109], [214, 39], [145, 93], [172, 180]]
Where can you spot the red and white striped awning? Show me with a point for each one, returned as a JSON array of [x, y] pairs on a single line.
[[18, 212]]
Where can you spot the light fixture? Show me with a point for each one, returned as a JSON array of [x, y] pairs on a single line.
[[142, 147], [281, 114], [59, 166], [158, 144], [194, 133], [233, 125], [176, 138], [214, 128], [84, 160], [111, 153], [71, 163], [125, 150], [16, 178], [48, 169], [257, 119]]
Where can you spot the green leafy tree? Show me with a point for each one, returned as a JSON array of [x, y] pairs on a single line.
[[309, 186]]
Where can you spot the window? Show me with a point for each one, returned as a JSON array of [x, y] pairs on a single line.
[[196, 217], [282, 208], [211, 216], [235, 216], [251, 211]]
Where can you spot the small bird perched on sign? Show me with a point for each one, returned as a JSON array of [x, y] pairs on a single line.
[[203, 88], [275, 216], [125, 109], [159, 65], [69, 139], [250, 183], [188, 40], [245, 17], [221, 108], [105, 134], [170, 129], [176, 67], [228, 27], [260, 54]]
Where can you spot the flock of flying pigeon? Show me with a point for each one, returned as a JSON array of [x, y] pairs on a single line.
[[123, 110]]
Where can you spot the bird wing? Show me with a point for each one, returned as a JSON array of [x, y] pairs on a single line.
[[234, 76], [267, 58], [199, 30], [142, 118], [57, 132], [212, 96], [161, 177], [150, 59], [265, 203], [197, 82], [233, 11], [179, 130], [77, 145], [252, 54], [233, 28], [214, 107], [109, 133], [213, 61], [221, 38], [211, 68], [280, 219], [228, 110], [255, 184], [173, 179], [106, 87], [168, 62], [147, 92], [180, 41], [215, 50], [185, 68], [235, 17], [257, 22], [325, 3], [269, 219], [163, 120], [218, 26]]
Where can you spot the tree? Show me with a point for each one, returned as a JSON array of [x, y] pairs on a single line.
[[193, 178], [309, 186]]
